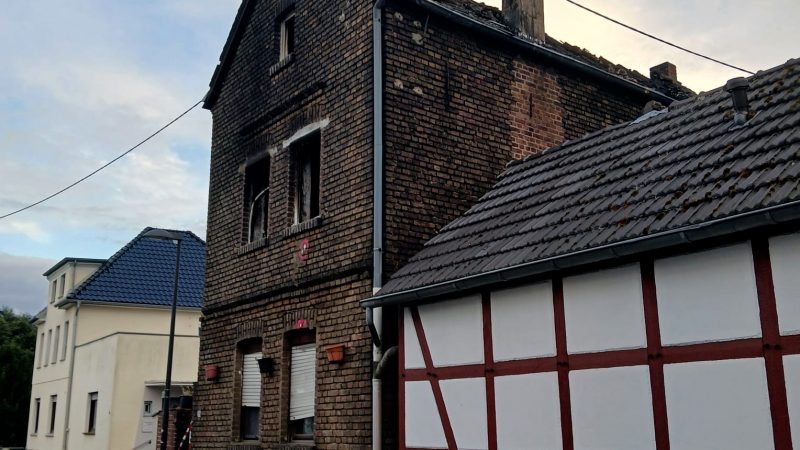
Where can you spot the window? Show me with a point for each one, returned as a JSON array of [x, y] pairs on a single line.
[[302, 372], [91, 413], [148, 408], [55, 345], [251, 396], [287, 36], [256, 180], [52, 423], [306, 154], [53, 289], [37, 404], [64, 344], [62, 282], [47, 349], [40, 350]]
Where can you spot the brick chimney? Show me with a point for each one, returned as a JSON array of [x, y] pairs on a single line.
[[665, 70], [526, 16]]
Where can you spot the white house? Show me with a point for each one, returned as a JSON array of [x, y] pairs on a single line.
[[101, 351], [635, 289]]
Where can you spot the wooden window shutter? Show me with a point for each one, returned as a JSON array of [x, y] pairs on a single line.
[[301, 399], [251, 380]]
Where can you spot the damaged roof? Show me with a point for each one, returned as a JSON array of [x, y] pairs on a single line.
[[685, 171], [488, 19], [143, 272]]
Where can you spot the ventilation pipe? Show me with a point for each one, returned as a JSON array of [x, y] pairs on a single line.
[[526, 16], [738, 88]]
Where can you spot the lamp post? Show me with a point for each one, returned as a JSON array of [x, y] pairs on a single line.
[[165, 235]]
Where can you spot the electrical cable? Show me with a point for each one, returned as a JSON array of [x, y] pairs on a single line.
[[663, 41], [94, 172]]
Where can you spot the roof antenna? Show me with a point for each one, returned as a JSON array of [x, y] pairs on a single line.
[[738, 88]]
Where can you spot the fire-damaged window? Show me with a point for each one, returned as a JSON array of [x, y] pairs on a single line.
[[257, 198], [305, 153], [287, 36]]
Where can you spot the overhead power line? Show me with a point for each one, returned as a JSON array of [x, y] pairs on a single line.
[[663, 41], [94, 172]]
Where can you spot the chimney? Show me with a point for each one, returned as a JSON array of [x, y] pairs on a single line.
[[665, 70], [526, 16], [738, 88]]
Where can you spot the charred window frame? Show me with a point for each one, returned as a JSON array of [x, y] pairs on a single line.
[[305, 154], [256, 197]]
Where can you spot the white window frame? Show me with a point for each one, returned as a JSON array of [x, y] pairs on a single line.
[[57, 334], [285, 51], [62, 284], [91, 412], [51, 418], [64, 344], [47, 350]]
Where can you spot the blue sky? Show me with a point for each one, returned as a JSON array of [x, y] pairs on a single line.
[[85, 79]]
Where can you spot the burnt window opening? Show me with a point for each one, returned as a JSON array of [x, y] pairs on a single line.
[[257, 199], [287, 36], [306, 157]]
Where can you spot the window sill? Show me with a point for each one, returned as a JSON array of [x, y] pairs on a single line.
[[245, 445], [295, 445], [88, 433], [252, 246], [302, 226], [49, 435], [280, 65]]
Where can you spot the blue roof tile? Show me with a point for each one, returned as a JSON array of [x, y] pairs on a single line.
[[142, 273]]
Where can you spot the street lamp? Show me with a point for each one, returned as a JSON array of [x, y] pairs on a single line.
[[165, 235]]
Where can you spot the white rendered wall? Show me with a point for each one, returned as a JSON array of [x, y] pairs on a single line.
[[785, 258], [612, 409], [718, 405], [465, 400], [411, 349], [522, 322], [454, 331], [604, 310], [791, 371], [423, 424], [528, 412], [707, 296]]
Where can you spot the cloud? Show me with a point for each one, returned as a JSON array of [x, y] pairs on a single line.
[[29, 229], [22, 286]]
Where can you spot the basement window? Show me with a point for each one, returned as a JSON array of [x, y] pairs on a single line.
[[257, 199], [306, 154], [287, 36]]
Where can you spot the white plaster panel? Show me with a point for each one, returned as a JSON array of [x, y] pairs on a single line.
[[718, 405], [423, 424], [412, 353], [522, 322], [528, 412], [465, 400], [604, 310], [707, 296], [612, 408], [791, 372], [784, 252], [454, 331]]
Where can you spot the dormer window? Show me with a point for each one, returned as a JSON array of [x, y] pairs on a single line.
[[257, 198], [287, 36]]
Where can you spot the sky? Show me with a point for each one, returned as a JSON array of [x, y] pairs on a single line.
[[84, 80]]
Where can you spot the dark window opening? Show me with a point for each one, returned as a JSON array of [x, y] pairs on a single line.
[[53, 403], [92, 413], [257, 199], [306, 153], [249, 403], [37, 409]]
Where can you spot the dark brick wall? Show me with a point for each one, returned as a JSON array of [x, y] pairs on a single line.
[[251, 289], [459, 106]]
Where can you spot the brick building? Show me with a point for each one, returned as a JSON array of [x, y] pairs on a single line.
[[340, 144]]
